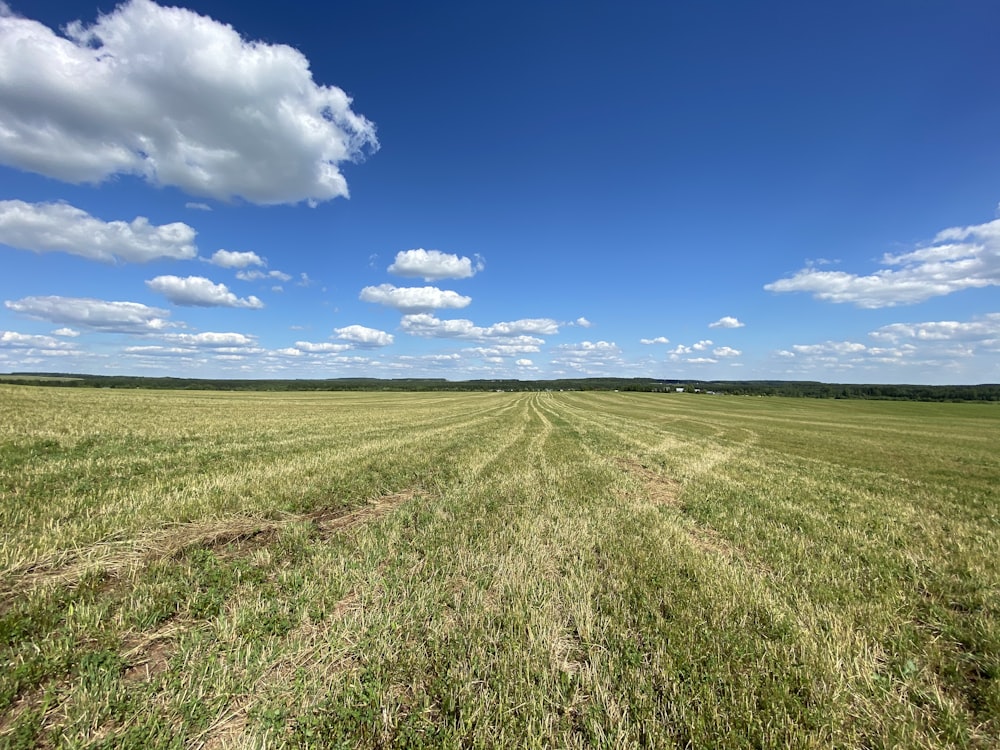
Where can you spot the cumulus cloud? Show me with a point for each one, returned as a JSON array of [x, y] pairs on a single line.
[[682, 349], [524, 363], [60, 227], [197, 291], [68, 332], [362, 336], [583, 322], [125, 317], [958, 258], [516, 331], [431, 265], [727, 321], [234, 259], [726, 351], [177, 99], [413, 299], [657, 340]]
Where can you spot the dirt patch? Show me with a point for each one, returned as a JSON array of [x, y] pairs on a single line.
[[149, 654], [230, 538], [330, 520], [660, 489]]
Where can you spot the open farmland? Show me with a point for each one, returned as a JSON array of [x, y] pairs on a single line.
[[496, 570]]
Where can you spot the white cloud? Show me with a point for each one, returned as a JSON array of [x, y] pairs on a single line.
[[197, 291], [524, 363], [178, 99], [128, 317], [682, 350], [210, 339], [512, 332], [506, 350], [363, 336], [583, 322], [986, 328], [657, 340], [60, 227], [69, 332], [432, 265], [830, 347], [14, 340], [589, 358], [197, 206], [258, 275], [958, 258], [726, 351], [234, 259], [323, 348], [413, 299], [727, 322]]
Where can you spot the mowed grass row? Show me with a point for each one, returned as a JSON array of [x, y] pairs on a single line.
[[496, 570]]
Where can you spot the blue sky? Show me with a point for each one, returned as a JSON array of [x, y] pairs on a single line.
[[713, 190]]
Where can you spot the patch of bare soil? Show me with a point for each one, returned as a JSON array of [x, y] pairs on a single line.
[[229, 538], [662, 490]]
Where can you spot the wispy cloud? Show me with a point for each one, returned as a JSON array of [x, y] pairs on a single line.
[[426, 325], [117, 316], [958, 258]]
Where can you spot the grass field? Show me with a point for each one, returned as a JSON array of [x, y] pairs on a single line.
[[196, 569]]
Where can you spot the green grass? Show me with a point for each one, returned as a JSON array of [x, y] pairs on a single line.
[[185, 569]]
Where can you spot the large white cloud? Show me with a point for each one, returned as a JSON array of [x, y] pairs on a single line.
[[126, 317], [958, 258], [515, 332], [178, 99], [363, 336], [197, 291], [414, 298], [433, 264], [59, 227]]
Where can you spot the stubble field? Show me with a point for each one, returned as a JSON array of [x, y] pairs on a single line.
[[196, 569]]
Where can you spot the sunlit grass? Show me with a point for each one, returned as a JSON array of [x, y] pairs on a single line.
[[497, 570]]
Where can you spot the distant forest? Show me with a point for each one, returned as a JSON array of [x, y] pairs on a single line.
[[795, 388]]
